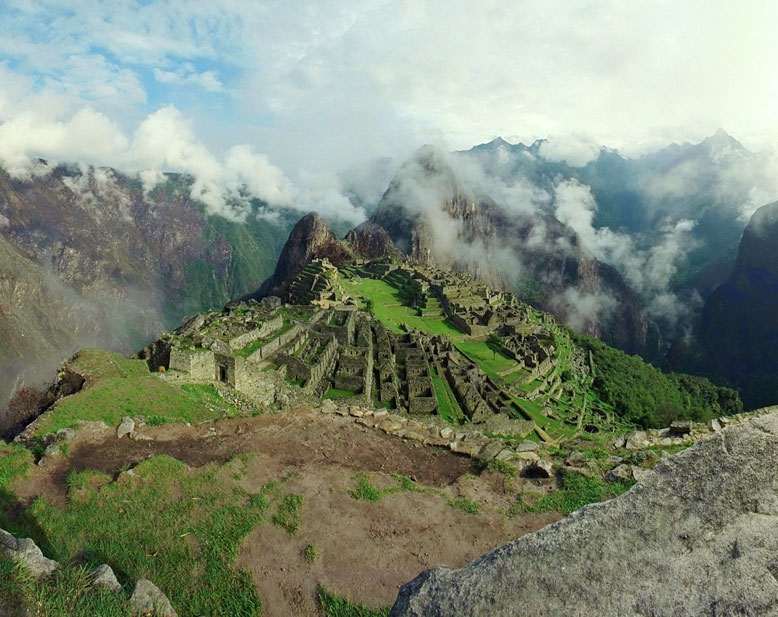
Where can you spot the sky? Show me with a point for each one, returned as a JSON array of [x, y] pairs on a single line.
[[281, 94]]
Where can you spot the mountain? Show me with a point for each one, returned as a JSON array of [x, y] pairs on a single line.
[[90, 258], [311, 238], [738, 328], [434, 217]]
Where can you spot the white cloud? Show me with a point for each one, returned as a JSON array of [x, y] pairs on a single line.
[[575, 150], [207, 80]]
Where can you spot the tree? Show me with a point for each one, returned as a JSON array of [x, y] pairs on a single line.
[[494, 343]]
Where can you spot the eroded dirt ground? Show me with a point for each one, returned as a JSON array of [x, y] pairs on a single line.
[[365, 549]]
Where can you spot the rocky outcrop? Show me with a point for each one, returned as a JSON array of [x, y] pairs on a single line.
[[310, 239], [697, 536], [371, 241]]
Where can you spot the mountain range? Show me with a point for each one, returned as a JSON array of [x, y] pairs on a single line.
[[625, 249]]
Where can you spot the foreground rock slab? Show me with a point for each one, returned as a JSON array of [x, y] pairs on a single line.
[[697, 536]]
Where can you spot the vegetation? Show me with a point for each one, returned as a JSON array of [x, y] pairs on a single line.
[[365, 491], [176, 527], [289, 512], [576, 492], [642, 394], [335, 606], [387, 305], [120, 387], [337, 393], [310, 553], [466, 505]]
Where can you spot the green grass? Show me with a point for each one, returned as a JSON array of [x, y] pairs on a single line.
[[122, 387], [466, 505], [310, 553], [15, 461], [336, 393], [180, 528], [448, 407], [289, 513], [576, 492], [158, 420], [208, 394], [490, 362], [336, 606], [388, 308], [365, 491], [495, 466], [68, 593]]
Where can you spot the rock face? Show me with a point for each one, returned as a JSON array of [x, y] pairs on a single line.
[[310, 239], [371, 241], [434, 218], [738, 328], [697, 536]]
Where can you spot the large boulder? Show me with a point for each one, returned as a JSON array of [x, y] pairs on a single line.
[[697, 536], [27, 554]]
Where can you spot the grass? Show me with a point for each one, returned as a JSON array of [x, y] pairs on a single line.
[[365, 491], [337, 393], [177, 527], [310, 553], [67, 593], [289, 513], [499, 467], [121, 387], [448, 407], [490, 362], [15, 461], [336, 606], [576, 492], [388, 308], [466, 505]]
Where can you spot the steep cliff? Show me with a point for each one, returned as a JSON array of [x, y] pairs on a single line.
[[738, 329]]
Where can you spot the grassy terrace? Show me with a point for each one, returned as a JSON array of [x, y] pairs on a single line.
[[490, 362], [387, 306], [118, 386], [448, 407]]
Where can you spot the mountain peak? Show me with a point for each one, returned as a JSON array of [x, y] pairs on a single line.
[[722, 142]]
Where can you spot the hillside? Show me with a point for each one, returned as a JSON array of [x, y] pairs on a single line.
[[89, 258], [369, 426]]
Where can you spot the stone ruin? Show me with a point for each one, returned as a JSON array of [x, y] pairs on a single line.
[[319, 344]]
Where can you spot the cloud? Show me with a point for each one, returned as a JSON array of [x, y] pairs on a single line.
[[575, 150], [187, 75], [583, 310]]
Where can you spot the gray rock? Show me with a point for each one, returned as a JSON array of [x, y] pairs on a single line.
[[65, 435], [103, 576], [620, 473], [636, 440], [27, 554], [663, 549], [527, 446], [490, 450], [714, 425], [126, 427], [147, 599], [327, 406]]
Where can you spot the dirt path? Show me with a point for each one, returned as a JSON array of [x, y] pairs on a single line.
[[365, 549]]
